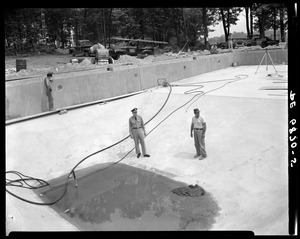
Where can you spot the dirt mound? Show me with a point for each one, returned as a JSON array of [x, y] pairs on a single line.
[[11, 73], [127, 59], [42, 63]]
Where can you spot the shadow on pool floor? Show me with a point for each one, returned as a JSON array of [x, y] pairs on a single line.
[[126, 198]]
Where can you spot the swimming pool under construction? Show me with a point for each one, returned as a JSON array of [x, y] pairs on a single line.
[[85, 160]]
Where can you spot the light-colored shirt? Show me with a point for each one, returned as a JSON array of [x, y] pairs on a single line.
[[94, 48], [136, 123], [198, 122]]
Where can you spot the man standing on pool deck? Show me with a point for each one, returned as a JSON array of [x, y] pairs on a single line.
[[199, 127], [137, 132]]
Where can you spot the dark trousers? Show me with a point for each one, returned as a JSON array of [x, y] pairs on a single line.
[[50, 99]]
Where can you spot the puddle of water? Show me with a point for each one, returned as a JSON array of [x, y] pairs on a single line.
[[126, 198]]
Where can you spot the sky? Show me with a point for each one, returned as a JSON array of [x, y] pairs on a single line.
[[239, 27]]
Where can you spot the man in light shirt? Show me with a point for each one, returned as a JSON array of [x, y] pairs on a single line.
[[137, 132], [198, 126]]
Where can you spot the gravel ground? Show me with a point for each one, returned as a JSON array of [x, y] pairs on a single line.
[[40, 64]]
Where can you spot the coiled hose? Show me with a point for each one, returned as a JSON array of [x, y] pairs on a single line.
[[161, 81], [24, 178]]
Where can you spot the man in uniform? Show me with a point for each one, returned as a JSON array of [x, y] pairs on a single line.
[[198, 126], [137, 132]]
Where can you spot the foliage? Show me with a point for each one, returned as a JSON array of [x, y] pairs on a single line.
[[229, 16], [178, 26], [268, 17]]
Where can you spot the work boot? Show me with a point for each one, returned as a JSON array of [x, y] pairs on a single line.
[[202, 157]]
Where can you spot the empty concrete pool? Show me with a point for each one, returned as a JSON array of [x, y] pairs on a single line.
[[122, 197], [245, 176]]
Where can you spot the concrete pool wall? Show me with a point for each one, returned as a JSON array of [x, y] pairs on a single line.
[[26, 97]]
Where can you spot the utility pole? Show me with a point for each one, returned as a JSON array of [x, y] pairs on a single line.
[[104, 31], [204, 15]]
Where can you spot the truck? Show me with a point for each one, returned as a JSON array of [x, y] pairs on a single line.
[[133, 47], [82, 47], [123, 46], [255, 40], [264, 41]]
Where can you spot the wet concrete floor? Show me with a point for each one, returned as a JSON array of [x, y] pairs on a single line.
[[122, 197]]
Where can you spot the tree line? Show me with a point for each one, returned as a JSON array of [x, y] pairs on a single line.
[[181, 27]]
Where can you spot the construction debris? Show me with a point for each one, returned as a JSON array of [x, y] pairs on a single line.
[[190, 191], [10, 71], [87, 63]]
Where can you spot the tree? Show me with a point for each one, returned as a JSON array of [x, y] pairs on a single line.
[[23, 27], [181, 26], [283, 21], [251, 21], [261, 11], [274, 23], [59, 22], [198, 21], [267, 18], [247, 20], [173, 21], [185, 28], [204, 14], [229, 16]]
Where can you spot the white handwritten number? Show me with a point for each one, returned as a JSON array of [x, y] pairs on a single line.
[[292, 104], [293, 138], [292, 130], [293, 121], [292, 95], [294, 145], [293, 161]]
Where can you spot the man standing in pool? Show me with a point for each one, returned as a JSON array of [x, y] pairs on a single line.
[[199, 127], [137, 132], [48, 89]]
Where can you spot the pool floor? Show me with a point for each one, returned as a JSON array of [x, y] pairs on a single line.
[[120, 197]]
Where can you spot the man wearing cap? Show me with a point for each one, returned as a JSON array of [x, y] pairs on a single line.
[[48, 88], [198, 126], [137, 132]]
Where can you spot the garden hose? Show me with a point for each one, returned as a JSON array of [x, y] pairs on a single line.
[[161, 81]]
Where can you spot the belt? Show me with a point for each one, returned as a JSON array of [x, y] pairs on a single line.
[[137, 128], [198, 129]]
